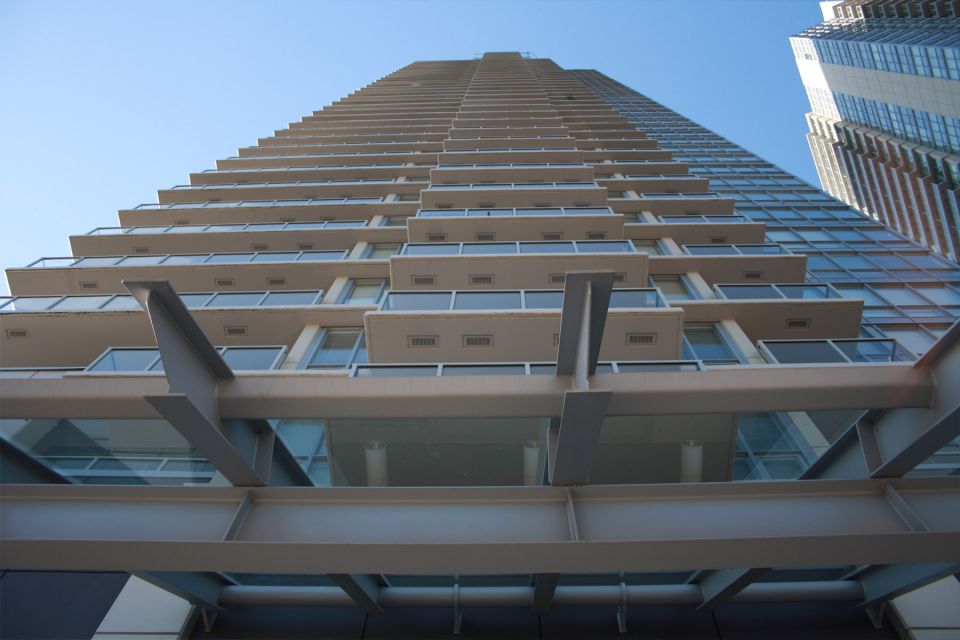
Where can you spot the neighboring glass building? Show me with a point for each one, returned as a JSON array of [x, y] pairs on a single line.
[[488, 348], [883, 79]]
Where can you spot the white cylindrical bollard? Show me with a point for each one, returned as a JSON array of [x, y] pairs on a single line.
[[376, 455], [531, 460], [691, 461]]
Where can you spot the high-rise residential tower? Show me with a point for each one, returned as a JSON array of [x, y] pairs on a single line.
[[487, 348], [883, 79]]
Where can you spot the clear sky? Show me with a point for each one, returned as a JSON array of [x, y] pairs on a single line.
[[102, 103]]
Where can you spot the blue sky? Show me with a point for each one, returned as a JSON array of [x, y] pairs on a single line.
[[102, 103]]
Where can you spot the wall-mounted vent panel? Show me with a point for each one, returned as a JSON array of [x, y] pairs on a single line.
[[482, 279], [436, 237], [181, 222], [141, 249], [305, 246], [423, 281], [224, 282], [477, 342], [619, 277], [423, 342], [276, 282], [641, 339], [486, 205], [543, 205], [259, 246], [798, 323], [551, 235], [485, 236], [596, 235], [558, 278], [18, 334], [752, 275], [89, 284], [718, 239], [288, 219], [234, 332]]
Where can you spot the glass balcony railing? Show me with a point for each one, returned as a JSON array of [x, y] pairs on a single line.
[[298, 183], [506, 213], [182, 259], [313, 168], [735, 250], [225, 228], [776, 291], [509, 300], [515, 185], [679, 196], [514, 248], [217, 204], [131, 359], [828, 351], [705, 219], [37, 372], [515, 368], [512, 165], [217, 300]]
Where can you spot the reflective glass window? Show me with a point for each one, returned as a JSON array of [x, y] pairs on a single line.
[[245, 299], [338, 348], [430, 250], [185, 259], [320, 256], [250, 358], [292, 298], [289, 256], [365, 292], [137, 261], [546, 247], [195, 300], [623, 299], [543, 299], [487, 300], [228, 258], [501, 248], [125, 360], [416, 301]]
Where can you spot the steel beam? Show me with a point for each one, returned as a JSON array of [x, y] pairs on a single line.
[[477, 530], [586, 300], [362, 589], [570, 445], [639, 595], [544, 588], [721, 585], [881, 584], [245, 452], [302, 394], [200, 589]]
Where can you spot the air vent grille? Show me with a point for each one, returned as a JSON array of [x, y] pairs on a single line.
[[305, 246], [482, 278], [436, 237], [423, 342], [18, 334], [718, 239], [473, 342], [596, 235], [752, 275], [423, 281], [641, 339], [259, 246], [277, 282], [485, 236], [551, 235], [486, 205], [224, 282], [89, 284], [619, 277], [234, 331], [181, 222], [798, 323], [141, 249], [558, 278]]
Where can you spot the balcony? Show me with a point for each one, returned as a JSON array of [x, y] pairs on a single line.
[[524, 194], [869, 351], [46, 327], [776, 292], [495, 326], [513, 248], [464, 225], [735, 250]]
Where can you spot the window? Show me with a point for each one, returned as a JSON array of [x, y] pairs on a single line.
[[395, 221], [648, 247], [289, 298], [381, 251], [339, 348], [703, 342], [364, 292], [672, 287]]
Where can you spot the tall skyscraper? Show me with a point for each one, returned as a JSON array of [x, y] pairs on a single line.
[[883, 79], [486, 348]]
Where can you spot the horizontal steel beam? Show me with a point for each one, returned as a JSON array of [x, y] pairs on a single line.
[[300, 394], [506, 530], [675, 594]]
